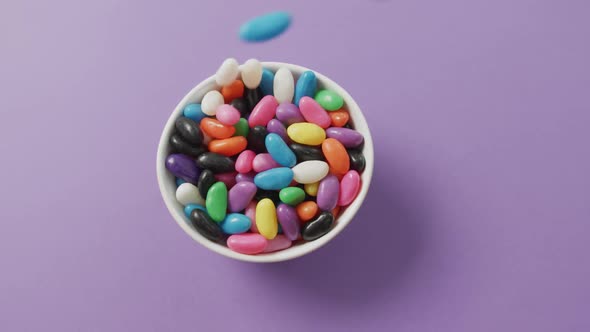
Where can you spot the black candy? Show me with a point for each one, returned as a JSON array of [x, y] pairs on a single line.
[[206, 180], [215, 162], [189, 130], [271, 194], [241, 105], [179, 145], [306, 152], [357, 160], [256, 137], [318, 227], [252, 97], [206, 226]]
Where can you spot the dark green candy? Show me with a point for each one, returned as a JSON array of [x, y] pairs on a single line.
[[216, 201], [242, 128]]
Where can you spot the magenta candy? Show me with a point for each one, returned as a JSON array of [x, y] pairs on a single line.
[[275, 126], [289, 221], [263, 162], [245, 177], [263, 112], [227, 114], [184, 167], [328, 193], [251, 213], [350, 138], [228, 178], [240, 195], [280, 242], [248, 243], [314, 113], [289, 114], [349, 187], [244, 161]]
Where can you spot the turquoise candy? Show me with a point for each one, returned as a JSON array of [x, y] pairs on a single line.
[[194, 112], [265, 27], [235, 223], [279, 150], [179, 181], [189, 209], [267, 82], [274, 179], [306, 85]]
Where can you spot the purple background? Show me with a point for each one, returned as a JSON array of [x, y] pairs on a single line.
[[477, 219]]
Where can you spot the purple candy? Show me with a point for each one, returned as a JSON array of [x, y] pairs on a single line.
[[184, 167], [240, 195], [289, 221], [328, 192], [247, 177], [275, 126], [350, 138], [289, 114]]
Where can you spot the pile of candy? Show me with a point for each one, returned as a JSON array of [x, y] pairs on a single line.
[[264, 162]]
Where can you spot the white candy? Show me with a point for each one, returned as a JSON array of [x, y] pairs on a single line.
[[188, 193], [310, 171], [284, 85], [227, 72], [211, 101], [252, 73]]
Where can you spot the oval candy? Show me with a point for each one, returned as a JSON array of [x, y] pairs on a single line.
[[311, 188], [273, 195], [350, 186], [251, 213], [216, 129], [245, 177], [188, 210], [266, 82], [280, 242], [274, 179], [188, 193], [329, 100], [350, 138], [289, 221], [318, 227], [313, 112], [336, 155], [179, 145], [306, 210], [328, 193], [211, 101], [247, 243], [183, 166], [215, 162], [289, 114], [232, 91], [263, 162], [357, 160], [227, 72], [306, 152], [206, 180], [253, 97], [228, 146], [227, 115], [216, 201], [275, 126], [284, 85], [306, 133], [194, 112], [189, 130], [266, 219], [307, 85], [205, 226], [241, 105], [292, 195], [256, 138], [235, 223], [244, 161], [252, 73], [265, 27], [279, 150], [242, 128], [240, 195], [229, 178], [310, 171], [339, 118], [179, 181], [263, 112]]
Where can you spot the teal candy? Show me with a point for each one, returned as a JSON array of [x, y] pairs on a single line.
[[179, 181], [235, 223], [307, 85], [279, 150], [194, 112], [265, 27], [189, 209], [274, 179], [267, 82]]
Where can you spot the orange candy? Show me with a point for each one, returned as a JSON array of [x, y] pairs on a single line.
[[228, 146], [335, 211], [232, 91], [339, 118], [306, 210], [336, 156], [216, 129]]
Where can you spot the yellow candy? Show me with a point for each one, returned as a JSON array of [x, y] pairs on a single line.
[[266, 219], [311, 188], [306, 133]]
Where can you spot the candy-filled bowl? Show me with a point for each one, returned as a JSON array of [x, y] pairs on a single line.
[[198, 223]]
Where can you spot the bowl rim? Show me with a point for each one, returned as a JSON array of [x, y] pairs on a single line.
[[166, 180]]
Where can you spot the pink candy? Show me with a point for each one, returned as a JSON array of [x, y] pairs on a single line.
[[263, 162], [251, 213], [247, 243], [349, 187], [280, 242], [314, 113], [263, 112], [244, 161], [227, 114]]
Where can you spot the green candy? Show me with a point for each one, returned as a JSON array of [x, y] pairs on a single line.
[[292, 195], [329, 100], [216, 201], [242, 128]]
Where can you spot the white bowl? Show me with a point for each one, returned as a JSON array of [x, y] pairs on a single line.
[[167, 181]]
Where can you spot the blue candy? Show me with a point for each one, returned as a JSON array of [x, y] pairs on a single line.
[[274, 178], [193, 111], [189, 209], [179, 181], [265, 27], [279, 150], [267, 82], [235, 223], [306, 85]]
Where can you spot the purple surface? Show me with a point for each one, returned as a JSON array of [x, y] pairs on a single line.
[[477, 220]]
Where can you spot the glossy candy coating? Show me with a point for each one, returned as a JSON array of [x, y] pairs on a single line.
[[242, 128], [228, 146], [318, 227], [256, 138], [183, 166], [205, 226], [263, 162], [307, 85], [227, 72], [240, 195], [289, 113], [306, 133], [215, 162], [284, 85], [189, 130], [350, 186], [232, 91], [357, 160], [306, 210], [313, 112], [252, 73], [227, 115], [310, 171], [274, 179], [216, 201], [249, 244], [235, 223], [194, 112], [216, 129], [279, 150], [179, 145], [328, 193], [206, 180], [263, 112], [289, 221], [292, 195], [188, 210], [211, 101], [350, 138], [329, 100], [265, 27], [188, 193], [241, 105], [266, 82], [339, 118], [244, 161], [336, 156], [306, 152], [280, 242], [266, 218]]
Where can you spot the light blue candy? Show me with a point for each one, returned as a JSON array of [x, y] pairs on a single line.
[[235, 223], [306, 85], [266, 84], [193, 111], [279, 150], [189, 209], [274, 178], [179, 181], [265, 27]]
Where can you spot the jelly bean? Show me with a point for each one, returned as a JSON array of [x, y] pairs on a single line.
[[188, 193], [256, 138], [263, 162], [232, 91], [179, 145], [350, 138], [216, 201], [306, 133], [235, 223], [357, 160], [280, 242], [265, 27], [306, 85], [263, 112], [311, 188], [279, 150], [216, 129], [270, 194], [310, 171], [318, 227], [206, 180], [242, 128], [205, 226], [289, 221], [336, 211], [329, 100], [306, 210], [336, 156], [227, 72], [183, 166], [241, 105], [253, 97], [252, 73], [189, 130], [247, 177], [306, 152], [179, 181], [289, 114], [227, 115], [292, 195], [228, 178], [211, 101], [194, 112], [266, 218], [251, 213], [274, 179], [215, 162], [240, 196], [284, 85], [313, 112], [244, 161], [188, 210], [275, 126], [349, 187], [206, 138], [228, 146], [339, 118], [328, 193], [267, 81], [249, 244]]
